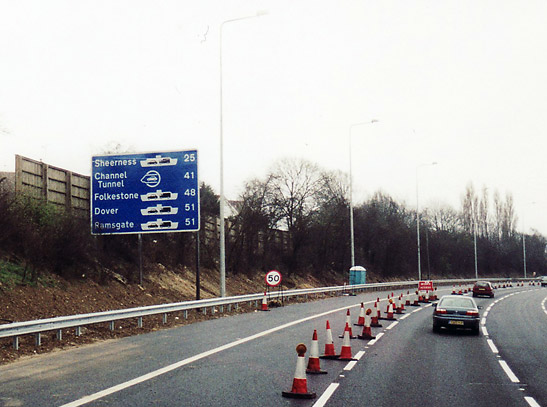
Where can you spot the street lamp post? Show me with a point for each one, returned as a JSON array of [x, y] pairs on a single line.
[[418, 219], [524, 242], [352, 238], [222, 259]]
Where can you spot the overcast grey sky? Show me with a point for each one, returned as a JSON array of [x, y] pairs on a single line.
[[459, 82]]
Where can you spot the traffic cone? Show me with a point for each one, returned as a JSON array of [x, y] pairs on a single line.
[[416, 302], [345, 353], [313, 361], [264, 303], [402, 303], [361, 320], [375, 315], [348, 323], [367, 332], [389, 312], [407, 302], [329, 346], [300, 383], [398, 305]]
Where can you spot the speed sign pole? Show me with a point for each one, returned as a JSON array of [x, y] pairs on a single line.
[[273, 279]]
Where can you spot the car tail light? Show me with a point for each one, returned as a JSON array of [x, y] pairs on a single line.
[[440, 311], [472, 313]]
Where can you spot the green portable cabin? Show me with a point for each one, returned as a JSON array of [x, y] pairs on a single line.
[[357, 275]]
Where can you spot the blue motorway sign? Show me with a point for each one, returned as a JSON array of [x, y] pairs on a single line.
[[145, 193]]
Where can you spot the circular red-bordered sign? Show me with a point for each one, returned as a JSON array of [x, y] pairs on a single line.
[[273, 278]]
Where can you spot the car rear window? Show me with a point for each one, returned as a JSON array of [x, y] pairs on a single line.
[[482, 284], [457, 303]]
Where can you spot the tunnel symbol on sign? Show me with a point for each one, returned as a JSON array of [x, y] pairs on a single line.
[[152, 179]]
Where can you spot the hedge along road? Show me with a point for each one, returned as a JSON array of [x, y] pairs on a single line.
[[242, 360]]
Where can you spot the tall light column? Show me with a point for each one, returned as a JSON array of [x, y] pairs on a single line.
[[352, 238], [418, 219], [222, 259], [524, 242]]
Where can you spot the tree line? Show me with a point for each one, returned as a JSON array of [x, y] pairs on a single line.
[[296, 220]]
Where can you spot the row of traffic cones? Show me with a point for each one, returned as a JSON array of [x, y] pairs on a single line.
[[299, 387]]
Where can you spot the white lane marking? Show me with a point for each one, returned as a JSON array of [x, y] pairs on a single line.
[[393, 324], [350, 365], [493, 347], [359, 355], [169, 368], [483, 321], [532, 402], [321, 401], [405, 316], [372, 342], [543, 305], [484, 331], [508, 371]]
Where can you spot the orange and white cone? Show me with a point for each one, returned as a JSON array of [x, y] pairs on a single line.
[[402, 302], [389, 312], [300, 383], [348, 323], [416, 302], [345, 353], [361, 320], [397, 305], [313, 361], [329, 346], [367, 332], [264, 303], [374, 317]]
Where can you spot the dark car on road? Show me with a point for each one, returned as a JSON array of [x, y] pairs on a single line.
[[483, 288], [456, 312], [543, 281]]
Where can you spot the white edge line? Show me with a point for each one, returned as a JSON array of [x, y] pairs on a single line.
[[484, 331], [321, 401], [508, 371]]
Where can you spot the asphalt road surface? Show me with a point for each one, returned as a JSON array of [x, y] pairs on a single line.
[[249, 359]]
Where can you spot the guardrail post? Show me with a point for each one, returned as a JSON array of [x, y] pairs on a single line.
[[78, 331], [59, 334], [221, 309], [112, 325], [165, 318], [204, 310], [16, 342], [38, 337], [139, 322], [185, 314]]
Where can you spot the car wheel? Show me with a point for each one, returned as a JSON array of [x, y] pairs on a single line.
[[476, 331], [436, 328]]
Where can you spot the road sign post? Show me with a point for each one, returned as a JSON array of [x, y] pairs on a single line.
[[145, 193]]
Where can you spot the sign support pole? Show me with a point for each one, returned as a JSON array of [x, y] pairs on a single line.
[[198, 287], [140, 259]]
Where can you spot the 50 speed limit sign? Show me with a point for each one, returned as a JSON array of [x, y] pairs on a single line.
[[273, 278]]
